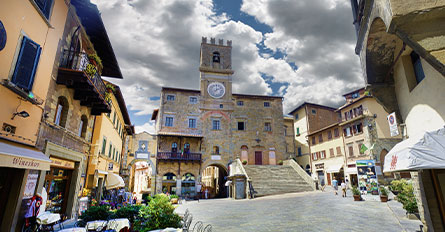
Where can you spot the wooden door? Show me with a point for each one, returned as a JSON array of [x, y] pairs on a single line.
[[329, 178], [258, 158]]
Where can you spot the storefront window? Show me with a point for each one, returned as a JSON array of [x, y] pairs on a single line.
[[57, 184]]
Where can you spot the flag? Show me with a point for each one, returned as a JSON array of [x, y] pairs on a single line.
[[363, 148]]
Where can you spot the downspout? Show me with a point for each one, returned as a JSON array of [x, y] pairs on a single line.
[[88, 156]]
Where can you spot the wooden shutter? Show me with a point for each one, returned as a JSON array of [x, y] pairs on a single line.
[[45, 6], [26, 65]]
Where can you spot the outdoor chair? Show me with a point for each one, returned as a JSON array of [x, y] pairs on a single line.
[[208, 228], [198, 226], [186, 214], [186, 226]]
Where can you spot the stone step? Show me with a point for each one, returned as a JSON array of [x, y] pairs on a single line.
[[275, 179]]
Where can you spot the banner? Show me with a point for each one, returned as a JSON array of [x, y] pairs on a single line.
[[367, 177]]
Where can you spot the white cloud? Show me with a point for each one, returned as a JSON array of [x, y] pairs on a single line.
[[157, 44], [147, 127]]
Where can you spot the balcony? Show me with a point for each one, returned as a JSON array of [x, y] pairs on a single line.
[[76, 72], [176, 156], [62, 137]]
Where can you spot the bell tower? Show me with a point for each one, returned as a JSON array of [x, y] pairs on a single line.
[[216, 72]]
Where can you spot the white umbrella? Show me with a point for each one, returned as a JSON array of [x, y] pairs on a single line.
[[114, 181], [422, 151]]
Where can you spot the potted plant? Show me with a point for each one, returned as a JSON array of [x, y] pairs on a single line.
[[110, 87], [383, 194], [356, 194], [244, 162], [174, 199], [280, 162], [95, 59]]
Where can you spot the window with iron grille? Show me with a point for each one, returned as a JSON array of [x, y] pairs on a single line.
[[266, 104], [169, 121], [216, 124], [170, 97], [239, 103], [192, 123], [267, 126], [193, 100]]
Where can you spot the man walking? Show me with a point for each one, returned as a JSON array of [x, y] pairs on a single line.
[[343, 188], [335, 185]]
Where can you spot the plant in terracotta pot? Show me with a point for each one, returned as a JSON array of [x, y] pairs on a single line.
[[383, 194], [244, 162], [174, 199], [95, 59], [280, 162], [110, 87], [356, 193]]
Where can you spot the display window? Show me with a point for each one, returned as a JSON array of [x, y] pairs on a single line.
[[57, 181]]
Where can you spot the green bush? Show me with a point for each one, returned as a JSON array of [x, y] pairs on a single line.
[[93, 213], [130, 212], [159, 214], [407, 198], [398, 185], [355, 191], [174, 196], [383, 191]]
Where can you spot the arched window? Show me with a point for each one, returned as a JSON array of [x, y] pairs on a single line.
[[244, 153], [83, 126], [169, 176], [216, 57], [188, 177], [186, 148], [216, 150], [61, 111], [174, 147]]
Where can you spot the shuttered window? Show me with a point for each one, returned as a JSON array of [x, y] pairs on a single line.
[[45, 6], [26, 65]]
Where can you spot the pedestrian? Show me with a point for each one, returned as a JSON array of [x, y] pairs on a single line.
[[335, 185], [206, 193], [343, 189]]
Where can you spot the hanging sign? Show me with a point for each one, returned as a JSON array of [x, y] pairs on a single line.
[[393, 124]]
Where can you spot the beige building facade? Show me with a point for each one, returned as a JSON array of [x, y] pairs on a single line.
[[402, 56], [213, 126]]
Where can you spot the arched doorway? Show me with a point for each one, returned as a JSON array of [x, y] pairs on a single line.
[[214, 178], [142, 177], [308, 169], [169, 183], [188, 185]]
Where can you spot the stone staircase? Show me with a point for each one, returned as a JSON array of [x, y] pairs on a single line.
[[271, 180]]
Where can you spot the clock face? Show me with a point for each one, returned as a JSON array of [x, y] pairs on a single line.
[[216, 90]]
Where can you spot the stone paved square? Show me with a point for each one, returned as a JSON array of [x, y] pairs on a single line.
[[309, 211]]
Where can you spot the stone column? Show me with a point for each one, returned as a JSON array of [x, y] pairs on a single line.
[[153, 184], [158, 188], [178, 187]]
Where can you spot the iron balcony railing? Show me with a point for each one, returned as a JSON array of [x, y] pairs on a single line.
[[178, 156], [79, 61]]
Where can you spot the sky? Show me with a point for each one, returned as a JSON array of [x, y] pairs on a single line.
[[302, 50]]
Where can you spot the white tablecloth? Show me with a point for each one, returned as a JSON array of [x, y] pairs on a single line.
[[94, 224], [76, 229], [48, 218], [167, 230], [118, 224]]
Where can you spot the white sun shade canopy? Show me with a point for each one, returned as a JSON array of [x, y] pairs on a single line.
[[422, 151], [114, 181]]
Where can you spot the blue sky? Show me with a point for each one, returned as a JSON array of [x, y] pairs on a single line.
[[300, 49]]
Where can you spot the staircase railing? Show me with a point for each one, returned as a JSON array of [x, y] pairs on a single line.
[[308, 179]]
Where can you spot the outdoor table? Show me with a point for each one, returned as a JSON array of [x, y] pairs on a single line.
[[118, 224], [94, 224], [48, 220], [168, 230], [75, 229]]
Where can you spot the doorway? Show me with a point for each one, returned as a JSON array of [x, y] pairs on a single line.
[[321, 177], [214, 178], [258, 158]]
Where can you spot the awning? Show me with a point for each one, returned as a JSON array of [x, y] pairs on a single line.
[[114, 181], [334, 168], [20, 156], [351, 170], [423, 151]]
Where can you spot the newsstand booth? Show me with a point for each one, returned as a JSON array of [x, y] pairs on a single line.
[[424, 153]]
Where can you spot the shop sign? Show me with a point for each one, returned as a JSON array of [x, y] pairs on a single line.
[[142, 155], [31, 183], [319, 166], [216, 157], [367, 176], [20, 162], [62, 163]]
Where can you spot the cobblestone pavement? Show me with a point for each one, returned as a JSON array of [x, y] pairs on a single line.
[[310, 211]]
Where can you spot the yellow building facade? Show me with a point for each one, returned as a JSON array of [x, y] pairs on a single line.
[[30, 33]]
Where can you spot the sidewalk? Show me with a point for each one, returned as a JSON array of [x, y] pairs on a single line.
[[395, 207]]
